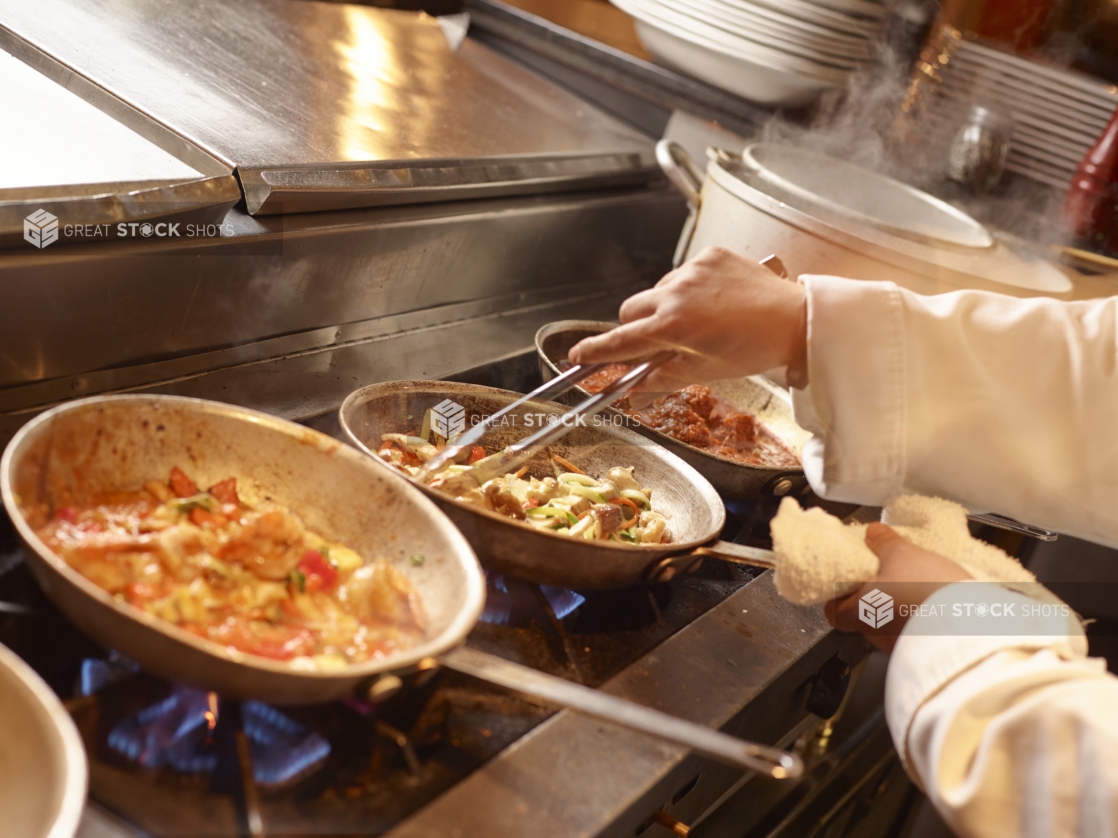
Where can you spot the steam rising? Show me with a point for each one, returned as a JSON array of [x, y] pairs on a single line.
[[866, 125]]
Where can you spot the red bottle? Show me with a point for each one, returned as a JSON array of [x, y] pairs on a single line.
[[1091, 203]]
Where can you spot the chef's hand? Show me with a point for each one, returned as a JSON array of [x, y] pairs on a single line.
[[908, 573], [728, 316]]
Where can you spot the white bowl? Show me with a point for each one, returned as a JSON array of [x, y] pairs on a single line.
[[698, 32], [865, 8], [771, 27], [42, 762], [748, 79], [864, 196], [808, 12]]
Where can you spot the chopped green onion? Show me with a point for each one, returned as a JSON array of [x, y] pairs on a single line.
[[552, 512], [418, 559], [300, 580]]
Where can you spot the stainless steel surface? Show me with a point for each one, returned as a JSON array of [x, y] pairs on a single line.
[[43, 773], [773, 762], [755, 654], [87, 448], [70, 158], [308, 283], [326, 106], [306, 375], [694, 511], [731, 478]]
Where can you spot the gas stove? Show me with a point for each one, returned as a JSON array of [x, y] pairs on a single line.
[[450, 756]]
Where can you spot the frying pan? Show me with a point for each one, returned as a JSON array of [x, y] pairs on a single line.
[[733, 479], [693, 508], [86, 448]]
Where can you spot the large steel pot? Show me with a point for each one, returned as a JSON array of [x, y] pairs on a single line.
[[42, 762], [754, 210], [84, 449], [693, 508], [732, 479]]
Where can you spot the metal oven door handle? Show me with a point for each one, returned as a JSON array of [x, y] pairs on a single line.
[[712, 743]]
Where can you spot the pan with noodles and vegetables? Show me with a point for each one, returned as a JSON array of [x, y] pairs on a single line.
[[739, 433], [247, 555], [643, 510]]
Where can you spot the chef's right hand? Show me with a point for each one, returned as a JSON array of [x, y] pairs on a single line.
[[728, 316]]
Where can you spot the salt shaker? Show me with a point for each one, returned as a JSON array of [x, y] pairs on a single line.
[[980, 148]]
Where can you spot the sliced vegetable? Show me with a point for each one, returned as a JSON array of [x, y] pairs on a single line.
[[418, 559], [318, 574], [476, 453], [198, 501], [552, 512], [200, 517], [226, 491], [578, 479], [587, 492], [626, 502], [181, 485], [567, 465], [639, 497]]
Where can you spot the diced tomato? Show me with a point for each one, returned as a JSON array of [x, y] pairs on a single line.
[[226, 491], [387, 445], [531, 503], [69, 514], [181, 485], [476, 453], [319, 573], [201, 517]]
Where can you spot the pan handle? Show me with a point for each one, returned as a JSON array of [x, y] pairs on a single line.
[[720, 746], [672, 566]]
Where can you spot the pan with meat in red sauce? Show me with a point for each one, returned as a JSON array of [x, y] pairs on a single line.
[[697, 417]]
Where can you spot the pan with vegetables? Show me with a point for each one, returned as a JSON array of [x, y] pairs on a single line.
[[244, 554], [496, 521]]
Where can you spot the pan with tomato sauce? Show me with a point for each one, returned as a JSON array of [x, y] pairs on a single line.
[[251, 578], [696, 416]]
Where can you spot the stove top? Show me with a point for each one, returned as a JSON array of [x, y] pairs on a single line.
[[167, 760]]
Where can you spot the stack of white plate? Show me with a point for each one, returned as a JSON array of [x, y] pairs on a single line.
[[1058, 114], [776, 52]]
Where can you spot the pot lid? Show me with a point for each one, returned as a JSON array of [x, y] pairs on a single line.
[[329, 105], [823, 183]]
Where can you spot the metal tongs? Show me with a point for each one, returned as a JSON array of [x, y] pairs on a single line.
[[514, 456]]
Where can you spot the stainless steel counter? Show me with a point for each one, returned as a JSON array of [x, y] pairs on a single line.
[[328, 106]]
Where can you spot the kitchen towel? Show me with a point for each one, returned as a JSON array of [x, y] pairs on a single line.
[[820, 558]]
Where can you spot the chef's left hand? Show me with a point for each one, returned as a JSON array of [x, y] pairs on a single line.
[[901, 562]]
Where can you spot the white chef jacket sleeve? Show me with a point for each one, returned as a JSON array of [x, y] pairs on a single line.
[[1002, 404], [1008, 736]]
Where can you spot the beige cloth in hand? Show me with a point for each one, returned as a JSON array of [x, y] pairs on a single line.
[[819, 558]]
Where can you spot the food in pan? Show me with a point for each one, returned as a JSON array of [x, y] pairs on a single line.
[[696, 416], [250, 578], [572, 503]]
